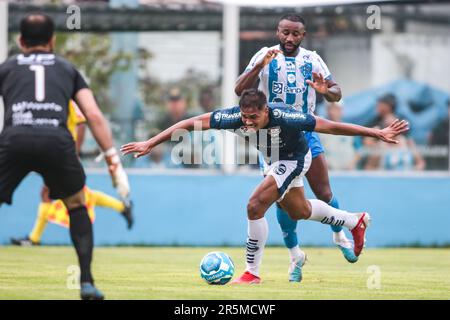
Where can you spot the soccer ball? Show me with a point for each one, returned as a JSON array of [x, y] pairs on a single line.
[[216, 268]]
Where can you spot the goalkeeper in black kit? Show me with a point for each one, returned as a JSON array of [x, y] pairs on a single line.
[[37, 87]]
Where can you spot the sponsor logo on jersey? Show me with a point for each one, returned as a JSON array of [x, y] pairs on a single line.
[[44, 59], [277, 87], [277, 113], [295, 90], [227, 116], [275, 140], [280, 169], [275, 131], [291, 78], [290, 66], [306, 70]]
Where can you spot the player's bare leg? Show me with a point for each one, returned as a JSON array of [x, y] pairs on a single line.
[[82, 237], [262, 198], [319, 182]]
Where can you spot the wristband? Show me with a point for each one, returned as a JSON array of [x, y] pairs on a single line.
[[110, 152]]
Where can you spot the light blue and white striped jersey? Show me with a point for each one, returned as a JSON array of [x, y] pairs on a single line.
[[284, 78]]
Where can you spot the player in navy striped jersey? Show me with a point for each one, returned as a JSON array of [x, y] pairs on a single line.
[[279, 134], [291, 74]]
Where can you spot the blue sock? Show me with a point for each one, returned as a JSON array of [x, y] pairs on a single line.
[[289, 227], [335, 204]]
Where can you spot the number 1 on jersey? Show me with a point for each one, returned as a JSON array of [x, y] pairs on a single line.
[[39, 82]]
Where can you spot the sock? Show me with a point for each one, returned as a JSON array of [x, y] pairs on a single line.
[[258, 231], [326, 214], [288, 227], [104, 200], [295, 253], [335, 204], [340, 238], [83, 240], [40, 223]]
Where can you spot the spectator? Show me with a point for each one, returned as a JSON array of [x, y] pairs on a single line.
[[182, 149], [404, 155], [439, 137], [370, 154], [176, 109], [206, 100], [340, 151]]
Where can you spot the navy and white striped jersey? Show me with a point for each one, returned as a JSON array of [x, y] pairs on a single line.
[[283, 136]]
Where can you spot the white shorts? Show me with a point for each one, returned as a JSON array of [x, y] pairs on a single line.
[[289, 173]]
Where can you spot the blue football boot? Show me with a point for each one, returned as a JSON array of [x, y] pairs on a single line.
[[295, 269], [346, 246]]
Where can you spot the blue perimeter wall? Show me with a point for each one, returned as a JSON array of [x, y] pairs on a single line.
[[200, 210]]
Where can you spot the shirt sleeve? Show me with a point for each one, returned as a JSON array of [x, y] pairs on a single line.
[[308, 123], [79, 83], [226, 119], [299, 121], [256, 58], [319, 66]]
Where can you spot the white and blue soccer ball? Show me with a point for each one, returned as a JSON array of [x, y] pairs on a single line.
[[216, 268]]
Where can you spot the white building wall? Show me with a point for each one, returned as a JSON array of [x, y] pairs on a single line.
[[349, 61], [177, 52], [419, 56]]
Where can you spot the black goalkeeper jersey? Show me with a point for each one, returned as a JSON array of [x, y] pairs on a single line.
[[36, 90]]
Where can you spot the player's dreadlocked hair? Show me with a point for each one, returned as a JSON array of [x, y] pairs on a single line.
[[294, 18], [252, 98]]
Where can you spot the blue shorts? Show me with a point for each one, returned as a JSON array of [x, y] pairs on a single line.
[[314, 143]]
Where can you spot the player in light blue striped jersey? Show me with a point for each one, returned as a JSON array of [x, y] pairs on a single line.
[[292, 75]]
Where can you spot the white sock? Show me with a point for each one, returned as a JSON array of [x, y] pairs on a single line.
[[324, 213], [341, 239], [296, 253], [258, 231]]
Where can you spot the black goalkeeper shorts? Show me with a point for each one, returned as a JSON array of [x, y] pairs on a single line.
[[49, 152]]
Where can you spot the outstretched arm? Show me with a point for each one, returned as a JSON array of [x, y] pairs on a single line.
[[248, 79], [347, 129], [144, 147]]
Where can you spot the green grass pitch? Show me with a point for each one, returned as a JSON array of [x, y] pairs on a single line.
[[172, 273]]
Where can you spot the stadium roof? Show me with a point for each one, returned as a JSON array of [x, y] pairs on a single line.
[[207, 16], [295, 3]]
